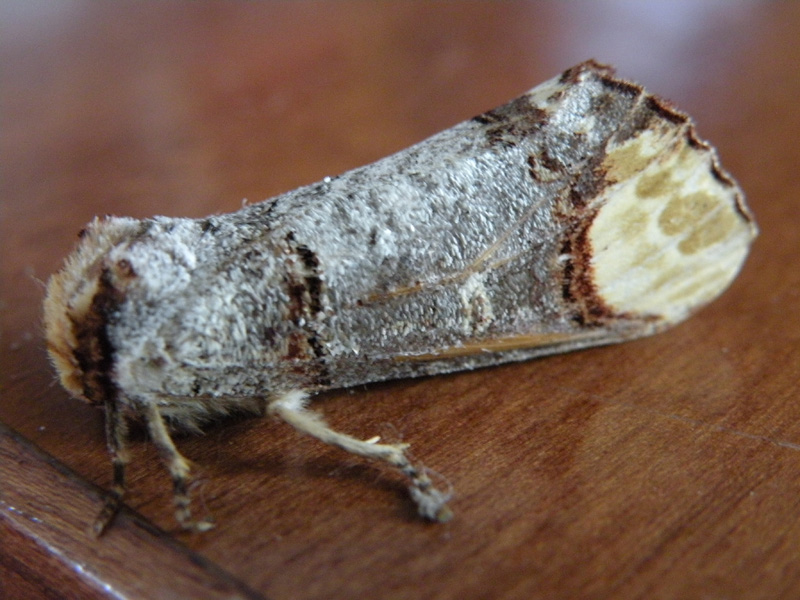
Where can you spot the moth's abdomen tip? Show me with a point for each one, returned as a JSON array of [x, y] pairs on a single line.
[[673, 230]]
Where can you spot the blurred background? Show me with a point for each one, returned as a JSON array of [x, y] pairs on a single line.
[[189, 107]]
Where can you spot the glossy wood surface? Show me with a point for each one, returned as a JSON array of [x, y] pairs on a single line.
[[662, 468]]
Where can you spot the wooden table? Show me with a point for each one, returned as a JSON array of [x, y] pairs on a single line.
[[662, 468]]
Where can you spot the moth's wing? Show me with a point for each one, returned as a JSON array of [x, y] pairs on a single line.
[[582, 213], [641, 228]]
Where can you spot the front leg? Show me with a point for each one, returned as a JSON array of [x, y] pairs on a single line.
[[179, 467], [117, 443]]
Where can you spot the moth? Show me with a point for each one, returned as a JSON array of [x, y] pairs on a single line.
[[584, 212]]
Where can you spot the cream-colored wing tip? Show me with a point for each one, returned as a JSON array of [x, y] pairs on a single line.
[[672, 229]]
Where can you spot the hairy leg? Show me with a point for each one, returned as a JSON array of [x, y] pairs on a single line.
[[117, 443], [178, 466], [431, 503]]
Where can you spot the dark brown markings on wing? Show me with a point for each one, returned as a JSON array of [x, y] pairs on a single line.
[[665, 110], [620, 86], [512, 122], [305, 289], [573, 74], [589, 183], [313, 281], [577, 284], [209, 225], [533, 168], [305, 284], [94, 351]]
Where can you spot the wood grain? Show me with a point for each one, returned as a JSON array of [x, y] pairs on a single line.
[[47, 513], [662, 468]]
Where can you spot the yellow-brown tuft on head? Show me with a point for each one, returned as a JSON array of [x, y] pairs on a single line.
[[70, 296]]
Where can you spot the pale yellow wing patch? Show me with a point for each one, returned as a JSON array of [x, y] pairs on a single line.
[[670, 234]]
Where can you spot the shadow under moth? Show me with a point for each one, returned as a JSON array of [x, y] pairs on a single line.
[[584, 212]]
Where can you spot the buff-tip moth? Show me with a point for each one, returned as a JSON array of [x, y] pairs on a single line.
[[584, 212]]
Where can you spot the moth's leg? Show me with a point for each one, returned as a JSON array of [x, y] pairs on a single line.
[[179, 467], [117, 443], [431, 503]]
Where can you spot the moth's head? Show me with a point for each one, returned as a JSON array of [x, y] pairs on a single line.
[[79, 299]]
